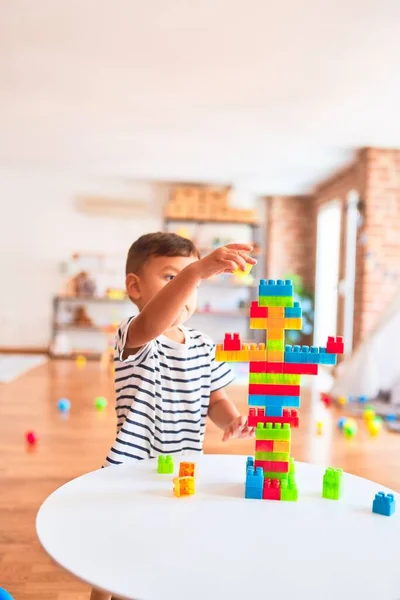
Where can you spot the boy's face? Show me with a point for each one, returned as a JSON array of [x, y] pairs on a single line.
[[154, 275]]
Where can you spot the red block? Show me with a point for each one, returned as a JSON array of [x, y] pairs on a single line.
[[326, 399], [258, 312], [276, 466], [299, 369], [264, 445], [335, 346], [263, 366], [274, 389], [257, 415], [272, 489], [232, 342]]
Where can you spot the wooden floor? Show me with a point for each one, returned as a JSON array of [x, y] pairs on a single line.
[[71, 446]]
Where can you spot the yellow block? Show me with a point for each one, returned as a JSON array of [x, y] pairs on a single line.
[[293, 323], [276, 334], [257, 352], [276, 312], [275, 356], [281, 446], [258, 323], [183, 486]]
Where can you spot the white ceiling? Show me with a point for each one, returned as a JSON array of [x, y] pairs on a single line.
[[270, 96]]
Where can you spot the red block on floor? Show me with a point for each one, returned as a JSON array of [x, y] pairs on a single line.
[[257, 415], [299, 369], [263, 366], [274, 466], [271, 389], [264, 445], [335, 345], [272, 489], [232, 342], [258, 312]]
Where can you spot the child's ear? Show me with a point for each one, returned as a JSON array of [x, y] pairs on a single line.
[[132, 286]]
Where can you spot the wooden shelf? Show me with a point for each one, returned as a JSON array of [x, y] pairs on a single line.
[[67, 327], [254, 224], [103, 299], [74, 355]]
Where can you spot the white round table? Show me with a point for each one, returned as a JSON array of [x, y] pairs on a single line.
[[122, 530]]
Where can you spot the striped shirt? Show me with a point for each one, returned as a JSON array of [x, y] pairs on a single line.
[[163, 394]]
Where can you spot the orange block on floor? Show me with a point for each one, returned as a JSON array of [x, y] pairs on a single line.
[[187, 469], [184, 486]]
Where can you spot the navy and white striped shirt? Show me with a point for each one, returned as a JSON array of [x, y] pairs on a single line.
[[163, 394]]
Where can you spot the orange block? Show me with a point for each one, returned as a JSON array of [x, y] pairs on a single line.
[[281, 446], [187, 469], [275, 323], [276, 312], [275, 356], [276, 334], [183, 486]]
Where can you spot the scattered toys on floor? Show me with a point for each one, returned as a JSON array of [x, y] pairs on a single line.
[[350, 428], [384, 504], [31, 438], [100, 403], [64, 405], [320, 428], [80, 361]]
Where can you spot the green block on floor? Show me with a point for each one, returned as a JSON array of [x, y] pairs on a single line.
[[165, 465], [275, 301], [273, 431], [332, 484], [289, 490], [275, 345], [277, 378], [276, 456]]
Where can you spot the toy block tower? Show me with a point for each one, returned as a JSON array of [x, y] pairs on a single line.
[[275, 371]]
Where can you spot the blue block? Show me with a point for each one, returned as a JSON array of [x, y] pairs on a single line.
[[253, 493], [362, 399], [327, 359], [274, 411], [266, 401], [275, 288], [249, 462], [293, 312], [254, 479], [384, 504]]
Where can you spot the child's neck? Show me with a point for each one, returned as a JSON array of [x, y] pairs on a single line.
[[175, 334]]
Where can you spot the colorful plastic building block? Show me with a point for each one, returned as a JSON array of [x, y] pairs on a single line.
[[165, 465], [232, 342], [184, 486], [258, 312], [335, 345], [384, 504], [274, 389], [273, 431], [332, 485], [289, 490], [275, 288], [272, 489], [293, 312], [254, 482], [257, 415], [187, 469]]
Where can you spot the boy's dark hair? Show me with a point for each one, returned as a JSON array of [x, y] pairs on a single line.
[[157, 244]]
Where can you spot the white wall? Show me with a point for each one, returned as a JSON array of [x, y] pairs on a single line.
[[40, 227]]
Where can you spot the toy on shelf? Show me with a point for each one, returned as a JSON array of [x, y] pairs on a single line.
[[165, 465], [275, 371], [80, 361], [342, 400], [332, 485], [384, 504]]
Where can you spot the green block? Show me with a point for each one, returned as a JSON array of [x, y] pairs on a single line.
[[277, 456], [332, 485], [277, 378], [275, 301], [289, 490], [292, 466], [165, 465], [273, 431], [275, 345], [274, 475]]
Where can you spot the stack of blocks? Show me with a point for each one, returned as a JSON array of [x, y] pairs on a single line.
[[274, 386]]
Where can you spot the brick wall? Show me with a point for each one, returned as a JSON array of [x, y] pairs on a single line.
[[291, 238], [291, 229]]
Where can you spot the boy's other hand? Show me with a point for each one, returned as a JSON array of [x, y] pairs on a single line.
[[225, 260], [239, 429]]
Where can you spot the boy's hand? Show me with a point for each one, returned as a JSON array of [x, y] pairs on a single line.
[[239, 429], [225, 260]]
